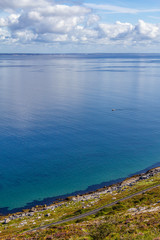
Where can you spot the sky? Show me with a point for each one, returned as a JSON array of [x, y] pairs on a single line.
[[79, 26]]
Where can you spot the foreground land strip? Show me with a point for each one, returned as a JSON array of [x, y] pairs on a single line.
[[91, 212]]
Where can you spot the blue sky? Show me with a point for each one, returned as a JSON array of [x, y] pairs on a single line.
[[59, 26], [152, 9]]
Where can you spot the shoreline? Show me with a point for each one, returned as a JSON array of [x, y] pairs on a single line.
[[90, 190], [140, 202]]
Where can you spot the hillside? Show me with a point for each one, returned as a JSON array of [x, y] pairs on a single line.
[[135, 218]]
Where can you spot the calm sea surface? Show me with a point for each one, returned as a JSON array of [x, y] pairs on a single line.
[[58, 133]]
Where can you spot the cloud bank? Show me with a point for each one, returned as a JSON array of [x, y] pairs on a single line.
[[42, 21]]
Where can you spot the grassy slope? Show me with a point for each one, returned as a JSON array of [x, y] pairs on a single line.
[[116, 222]]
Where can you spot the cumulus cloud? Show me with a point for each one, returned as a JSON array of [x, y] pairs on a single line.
[[25, 36], [3, 22], [4, 35], [64, 10], [54, 19], [46, 21], [147, 30], [127, 33], [116, 31]]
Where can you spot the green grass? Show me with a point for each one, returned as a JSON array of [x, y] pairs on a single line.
[[114, 222]]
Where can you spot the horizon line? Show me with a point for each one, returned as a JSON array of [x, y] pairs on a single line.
[[38, 53]]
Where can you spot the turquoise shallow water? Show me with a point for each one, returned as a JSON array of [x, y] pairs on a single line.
[[58, 133]]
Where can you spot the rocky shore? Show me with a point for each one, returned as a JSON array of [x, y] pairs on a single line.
[[115, 187], [93, 196]]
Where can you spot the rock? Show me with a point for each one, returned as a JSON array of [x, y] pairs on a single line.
[[23, 223], [45, 208], [7, 220], [141, 208], [143, 177], [30, 214], [48, 215], [32, 209], [74, 199], [132, 210], [53, 207]]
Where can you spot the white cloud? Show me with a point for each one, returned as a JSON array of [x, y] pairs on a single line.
[[35, 16], [117, 9], [25, 36], [49, 22], [52, 37], [14, 4], [4, 35], [57, 25], [3, 22], [148, 30], [154, 17], [116, 31], [64, 10], [52, 19], [13, 19], [128, 33], [92, 19]]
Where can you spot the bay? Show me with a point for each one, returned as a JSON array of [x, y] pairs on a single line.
[[58, 133]]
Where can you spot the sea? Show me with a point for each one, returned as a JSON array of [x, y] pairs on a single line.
[[72, 122]]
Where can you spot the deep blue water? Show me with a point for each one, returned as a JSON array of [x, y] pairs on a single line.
[[58, 133]]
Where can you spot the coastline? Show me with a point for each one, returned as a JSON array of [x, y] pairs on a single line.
[[136, 199], [90, 190]]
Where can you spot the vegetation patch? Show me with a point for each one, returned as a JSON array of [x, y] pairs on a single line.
[[134, 218]]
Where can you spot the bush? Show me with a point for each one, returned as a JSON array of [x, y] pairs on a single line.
[[102, 231]]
